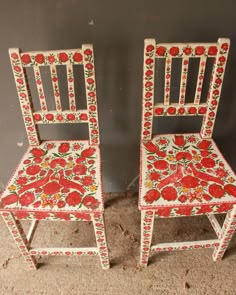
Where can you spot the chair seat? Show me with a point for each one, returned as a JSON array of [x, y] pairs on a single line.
[[183, 174], [56, 176]]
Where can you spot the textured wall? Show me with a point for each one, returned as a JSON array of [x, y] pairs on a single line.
[[117, 30]]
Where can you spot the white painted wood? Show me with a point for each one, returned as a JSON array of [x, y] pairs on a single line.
[[215, 224], [32, 230]]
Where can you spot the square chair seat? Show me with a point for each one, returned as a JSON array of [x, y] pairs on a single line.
[[183, 174], [57, 177]]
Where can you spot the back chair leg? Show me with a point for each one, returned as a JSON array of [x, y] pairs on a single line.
[[228, 229], [147, 221], [99, 229], [19, 237]]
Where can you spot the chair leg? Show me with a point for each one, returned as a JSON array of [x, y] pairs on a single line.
[[228, 229], [147, 221], [99, 229], [19, 237]]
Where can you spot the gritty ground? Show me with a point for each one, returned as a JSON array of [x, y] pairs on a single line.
[[181, 272]]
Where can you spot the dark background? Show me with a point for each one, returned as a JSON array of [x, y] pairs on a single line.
[[117, 30]]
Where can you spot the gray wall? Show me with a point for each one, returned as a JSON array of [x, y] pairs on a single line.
[[117, 30]]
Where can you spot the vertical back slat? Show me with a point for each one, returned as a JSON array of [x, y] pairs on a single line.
[[200, 78], [167, 80], [55, 86], [24, 96], [148, 88], [40, 89], [71, 88], [215, 88], [91, 96], [183, 83]]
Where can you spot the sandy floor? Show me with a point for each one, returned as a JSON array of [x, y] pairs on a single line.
[[188, 272]]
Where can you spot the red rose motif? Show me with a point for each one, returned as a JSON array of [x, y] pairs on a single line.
[[212, 50], [221, 172], [161, 50], [192, 110], [169, 193], [202, 110], [33, 169], [90, 81], [182, 198], [230, 189], [80, 159], [224, 208], [17, 69], [70, 117], [84, 216], [88, 152], [87, 180], [10, 199], [181, 111], [73, 199], [159, 111], [179, 140], [64, 147], [149, 48], [189, 181], [199, 50], [51, 188], [77, 57], [154, 176], [204, 209], [80, 169], [161, 154], [91, 202], [149, 61], [21, 214], [62, 215], [151, 196], [89, 66], [83, 117], [225, 46], [26, 59], [88, 52], [151, 147], [39, 58], [37, 152], [14, 55], [216, 191], [41, 215], [51, 59], [204, 154], [49, 117], [37, 204], [164, 212], [222, 59], [21, 180], [63, 57], [149, 73], [174, 51], [61, 204], [37, 117], [91, 94], [161, 164], [187, 50], [171, 110], [26, 199], [204, 144], [183, 155], [186, 210], [208, 162], [206, 196]]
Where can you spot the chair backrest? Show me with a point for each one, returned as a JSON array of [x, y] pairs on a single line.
[[202, 51], [52, 59]]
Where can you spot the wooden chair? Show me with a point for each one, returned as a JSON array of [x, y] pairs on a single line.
[[184, 174], [56, 180]]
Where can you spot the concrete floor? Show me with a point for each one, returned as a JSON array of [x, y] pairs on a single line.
[[187, 272]]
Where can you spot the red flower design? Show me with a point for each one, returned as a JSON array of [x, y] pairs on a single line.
[[89, 66], [169, 193], [224, 208], [88, 152], [171, 110], [90, 81], [37, 152], [90, 202], [181, 111], [189, 181], [161, 50], [151, 196], [159, 111], [26, 199], [73, 199], [63, 57], [70, 117], [26, 59], [151, 147], [149, 61], [208, 162], [39, 58], [61, 204], [64, 147], [41, 215], [21, 214], [204, 144], [216, 191], [149, 73], [221, 172], [33, 169], [174, 51], [62, 215], [222, 59], [149, 48], [179, 140], [87, 180], [154, 176], [85, 216], [51, 188], [202, 110], [80, 169], [88, 52], [161, 164], [183, 155], [225, 46], [230, 189], [51, 58], [17, 69], [10, 199], [204, 209], [14, 55], [37, 117], [77, 57], [49, 117], [37, 204], [187, 50], [212, 50], [164, 212], [199, 50], [192, 110], [186, 210], [21, 180], [83, 117]]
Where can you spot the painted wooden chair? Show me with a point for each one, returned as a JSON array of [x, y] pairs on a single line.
[[56, 180], [184, 174]]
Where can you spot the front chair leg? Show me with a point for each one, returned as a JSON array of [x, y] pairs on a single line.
[[99, 229], [147, 221], [19, 237], [228, 229]]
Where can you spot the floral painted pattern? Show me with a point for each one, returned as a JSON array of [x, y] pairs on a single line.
[[185, 175], [61, 178]]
